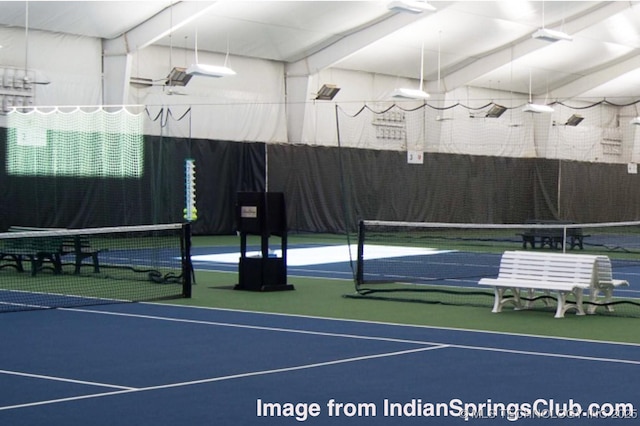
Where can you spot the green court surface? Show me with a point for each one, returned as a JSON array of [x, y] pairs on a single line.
[[326, 298], [337, 298]]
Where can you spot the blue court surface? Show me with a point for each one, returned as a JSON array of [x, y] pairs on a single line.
[[154, 364]]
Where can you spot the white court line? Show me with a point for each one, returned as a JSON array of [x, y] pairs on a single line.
[[62, 379], [356, 336], [432, 346], [219, 379], [395, 324], [254, 327]]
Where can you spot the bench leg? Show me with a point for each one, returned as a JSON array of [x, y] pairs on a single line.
[[593, 298], [500, 300], [579, 297], [497, 299], [564, 306], [35, 264], [562, 299], [57, 263], [531, 294], [527, 239], [81, 256], [608, 297], [54, 258], [607, 292], [96, 263], [576, 242], [16, 258], [19, 266]]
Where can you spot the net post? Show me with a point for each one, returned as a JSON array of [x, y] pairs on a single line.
[[360, 259], [187, 267]]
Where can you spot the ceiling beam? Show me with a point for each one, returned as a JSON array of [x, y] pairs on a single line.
[[116, 52], [354, 41], [596, 77], [298, 72], [460, 74], [155, 28]]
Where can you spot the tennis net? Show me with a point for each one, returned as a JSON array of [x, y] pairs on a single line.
[[443, 262], [53, 268]]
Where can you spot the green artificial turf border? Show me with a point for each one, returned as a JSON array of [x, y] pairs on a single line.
[[326, 298]]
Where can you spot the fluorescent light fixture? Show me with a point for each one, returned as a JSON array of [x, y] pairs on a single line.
[[327, 92], [178, 77], [140, 81], [574, 120], [551, 35], [536, 108], [418, 94], [495, 111], [210, 70], [410, 6], [635, 121], [410, 94]]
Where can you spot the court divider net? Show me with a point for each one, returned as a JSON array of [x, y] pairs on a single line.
[[52, 268], [443, 262]]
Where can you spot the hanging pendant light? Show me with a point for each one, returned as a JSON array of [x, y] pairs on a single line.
[[416, 94], [205, 70], [535, 108]]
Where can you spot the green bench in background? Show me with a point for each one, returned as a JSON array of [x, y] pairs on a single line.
[[47, 249]]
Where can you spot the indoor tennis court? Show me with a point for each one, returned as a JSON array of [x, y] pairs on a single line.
[[163, 364], [319, 212]]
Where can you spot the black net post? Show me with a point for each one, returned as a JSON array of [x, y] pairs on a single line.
[[187, 266], [360, 260]]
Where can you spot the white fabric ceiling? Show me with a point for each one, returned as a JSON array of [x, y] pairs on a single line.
[[466, 43]]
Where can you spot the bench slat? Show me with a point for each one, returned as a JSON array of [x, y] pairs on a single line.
[[531, 284]]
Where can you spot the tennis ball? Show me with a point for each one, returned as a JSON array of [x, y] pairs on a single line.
[[194, 213]]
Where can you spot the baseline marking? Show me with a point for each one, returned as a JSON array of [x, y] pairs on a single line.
[[62, 379], [355, 336], [219, 379]]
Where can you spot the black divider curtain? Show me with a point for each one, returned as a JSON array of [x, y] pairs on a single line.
[[593, 192], [446, 188], [381, 185], [223, 169], [377, 185], [158, 196], [545, 190]]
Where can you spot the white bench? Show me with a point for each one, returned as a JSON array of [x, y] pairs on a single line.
[[563, 274]]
